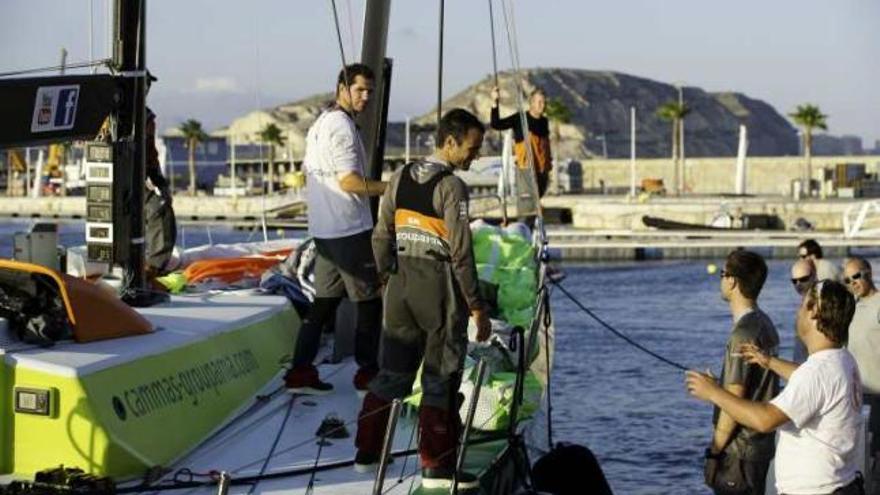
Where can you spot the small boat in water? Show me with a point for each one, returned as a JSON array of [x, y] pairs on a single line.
[[722, 222]]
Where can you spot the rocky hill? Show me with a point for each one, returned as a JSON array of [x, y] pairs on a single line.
[[600, 106]]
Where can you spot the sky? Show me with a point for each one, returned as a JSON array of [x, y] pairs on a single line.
[[217, 59]]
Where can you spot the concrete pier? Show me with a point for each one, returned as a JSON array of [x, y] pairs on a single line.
[[605, 212], [577, 245], [187, 208]]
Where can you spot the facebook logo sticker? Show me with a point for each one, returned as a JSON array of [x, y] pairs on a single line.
[[66, 107], [55, 108]]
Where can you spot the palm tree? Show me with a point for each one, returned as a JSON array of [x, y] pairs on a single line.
[[809, 117], [193, 134], [675, 112], [272, 135], [557, 113]]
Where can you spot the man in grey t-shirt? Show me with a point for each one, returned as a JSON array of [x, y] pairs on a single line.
[[744, 453]]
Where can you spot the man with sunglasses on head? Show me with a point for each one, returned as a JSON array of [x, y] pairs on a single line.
[[803, 275], [864, 343], [818, 414], [825, 270], [739, 456]]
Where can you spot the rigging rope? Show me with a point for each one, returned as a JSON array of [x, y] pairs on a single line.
[[351, 31], [274, 444], [440, 71], [339, 40], [616, 332], [258, 102], [54, 68], [510, 28], [494, 50]]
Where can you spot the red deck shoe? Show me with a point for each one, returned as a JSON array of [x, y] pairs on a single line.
[[304, 380], [362, 379]]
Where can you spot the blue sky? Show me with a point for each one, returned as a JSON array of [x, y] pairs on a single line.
[[216, 59]]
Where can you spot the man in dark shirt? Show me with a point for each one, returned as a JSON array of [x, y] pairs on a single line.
[[424, 253], [744, 453], [160, 223], [538, 139]]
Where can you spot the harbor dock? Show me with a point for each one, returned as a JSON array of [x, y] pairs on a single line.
[[581, 227]]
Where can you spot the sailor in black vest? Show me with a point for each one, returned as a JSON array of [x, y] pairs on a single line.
[[424, 255]]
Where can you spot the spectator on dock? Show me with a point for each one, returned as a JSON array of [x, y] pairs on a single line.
[[737, 449], [340, 221], [864, 341], [825, 270], [538, 139], [803, 275], [818, 415]]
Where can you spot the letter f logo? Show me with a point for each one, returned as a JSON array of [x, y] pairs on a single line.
[[66, 110]]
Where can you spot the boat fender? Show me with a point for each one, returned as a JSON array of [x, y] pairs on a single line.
[[553, 472]]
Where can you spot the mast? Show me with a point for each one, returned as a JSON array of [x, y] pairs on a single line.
[[129, 58], [372, 121]]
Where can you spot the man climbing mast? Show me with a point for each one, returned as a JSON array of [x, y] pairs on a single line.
[[424, 255], [538, 138]]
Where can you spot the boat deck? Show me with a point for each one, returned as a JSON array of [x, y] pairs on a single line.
[[276, 438]]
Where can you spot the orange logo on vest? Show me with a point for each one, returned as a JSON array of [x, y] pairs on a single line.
[[413, 219]]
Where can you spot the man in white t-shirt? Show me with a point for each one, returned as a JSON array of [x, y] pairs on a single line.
[[340, 221], [818, 413], [864, 344]]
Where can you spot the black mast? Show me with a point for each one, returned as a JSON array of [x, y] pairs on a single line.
[[373, 120], [129, 59]]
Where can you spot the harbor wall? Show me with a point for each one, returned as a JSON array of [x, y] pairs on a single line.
[[596, 212], [770, 175]]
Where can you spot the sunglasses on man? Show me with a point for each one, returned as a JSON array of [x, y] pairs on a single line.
[[855, 276], [801, 280]]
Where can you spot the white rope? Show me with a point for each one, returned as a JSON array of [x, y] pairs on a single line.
[[259, 106], [510, 28], [351, 31]]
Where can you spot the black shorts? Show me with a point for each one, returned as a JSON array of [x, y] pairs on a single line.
[[345, 266]]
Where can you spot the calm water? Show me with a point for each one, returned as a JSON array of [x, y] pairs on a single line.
[[629, 408]]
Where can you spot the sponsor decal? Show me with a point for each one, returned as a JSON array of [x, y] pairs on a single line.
[[418, 237], [188, 385], [55, 108]]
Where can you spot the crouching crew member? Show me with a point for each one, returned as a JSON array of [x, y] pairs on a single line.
[[424, 255]]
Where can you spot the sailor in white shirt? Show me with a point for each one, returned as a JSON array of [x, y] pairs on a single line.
[[818, 413]]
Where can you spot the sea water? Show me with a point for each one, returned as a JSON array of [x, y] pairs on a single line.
[[629, 408]]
